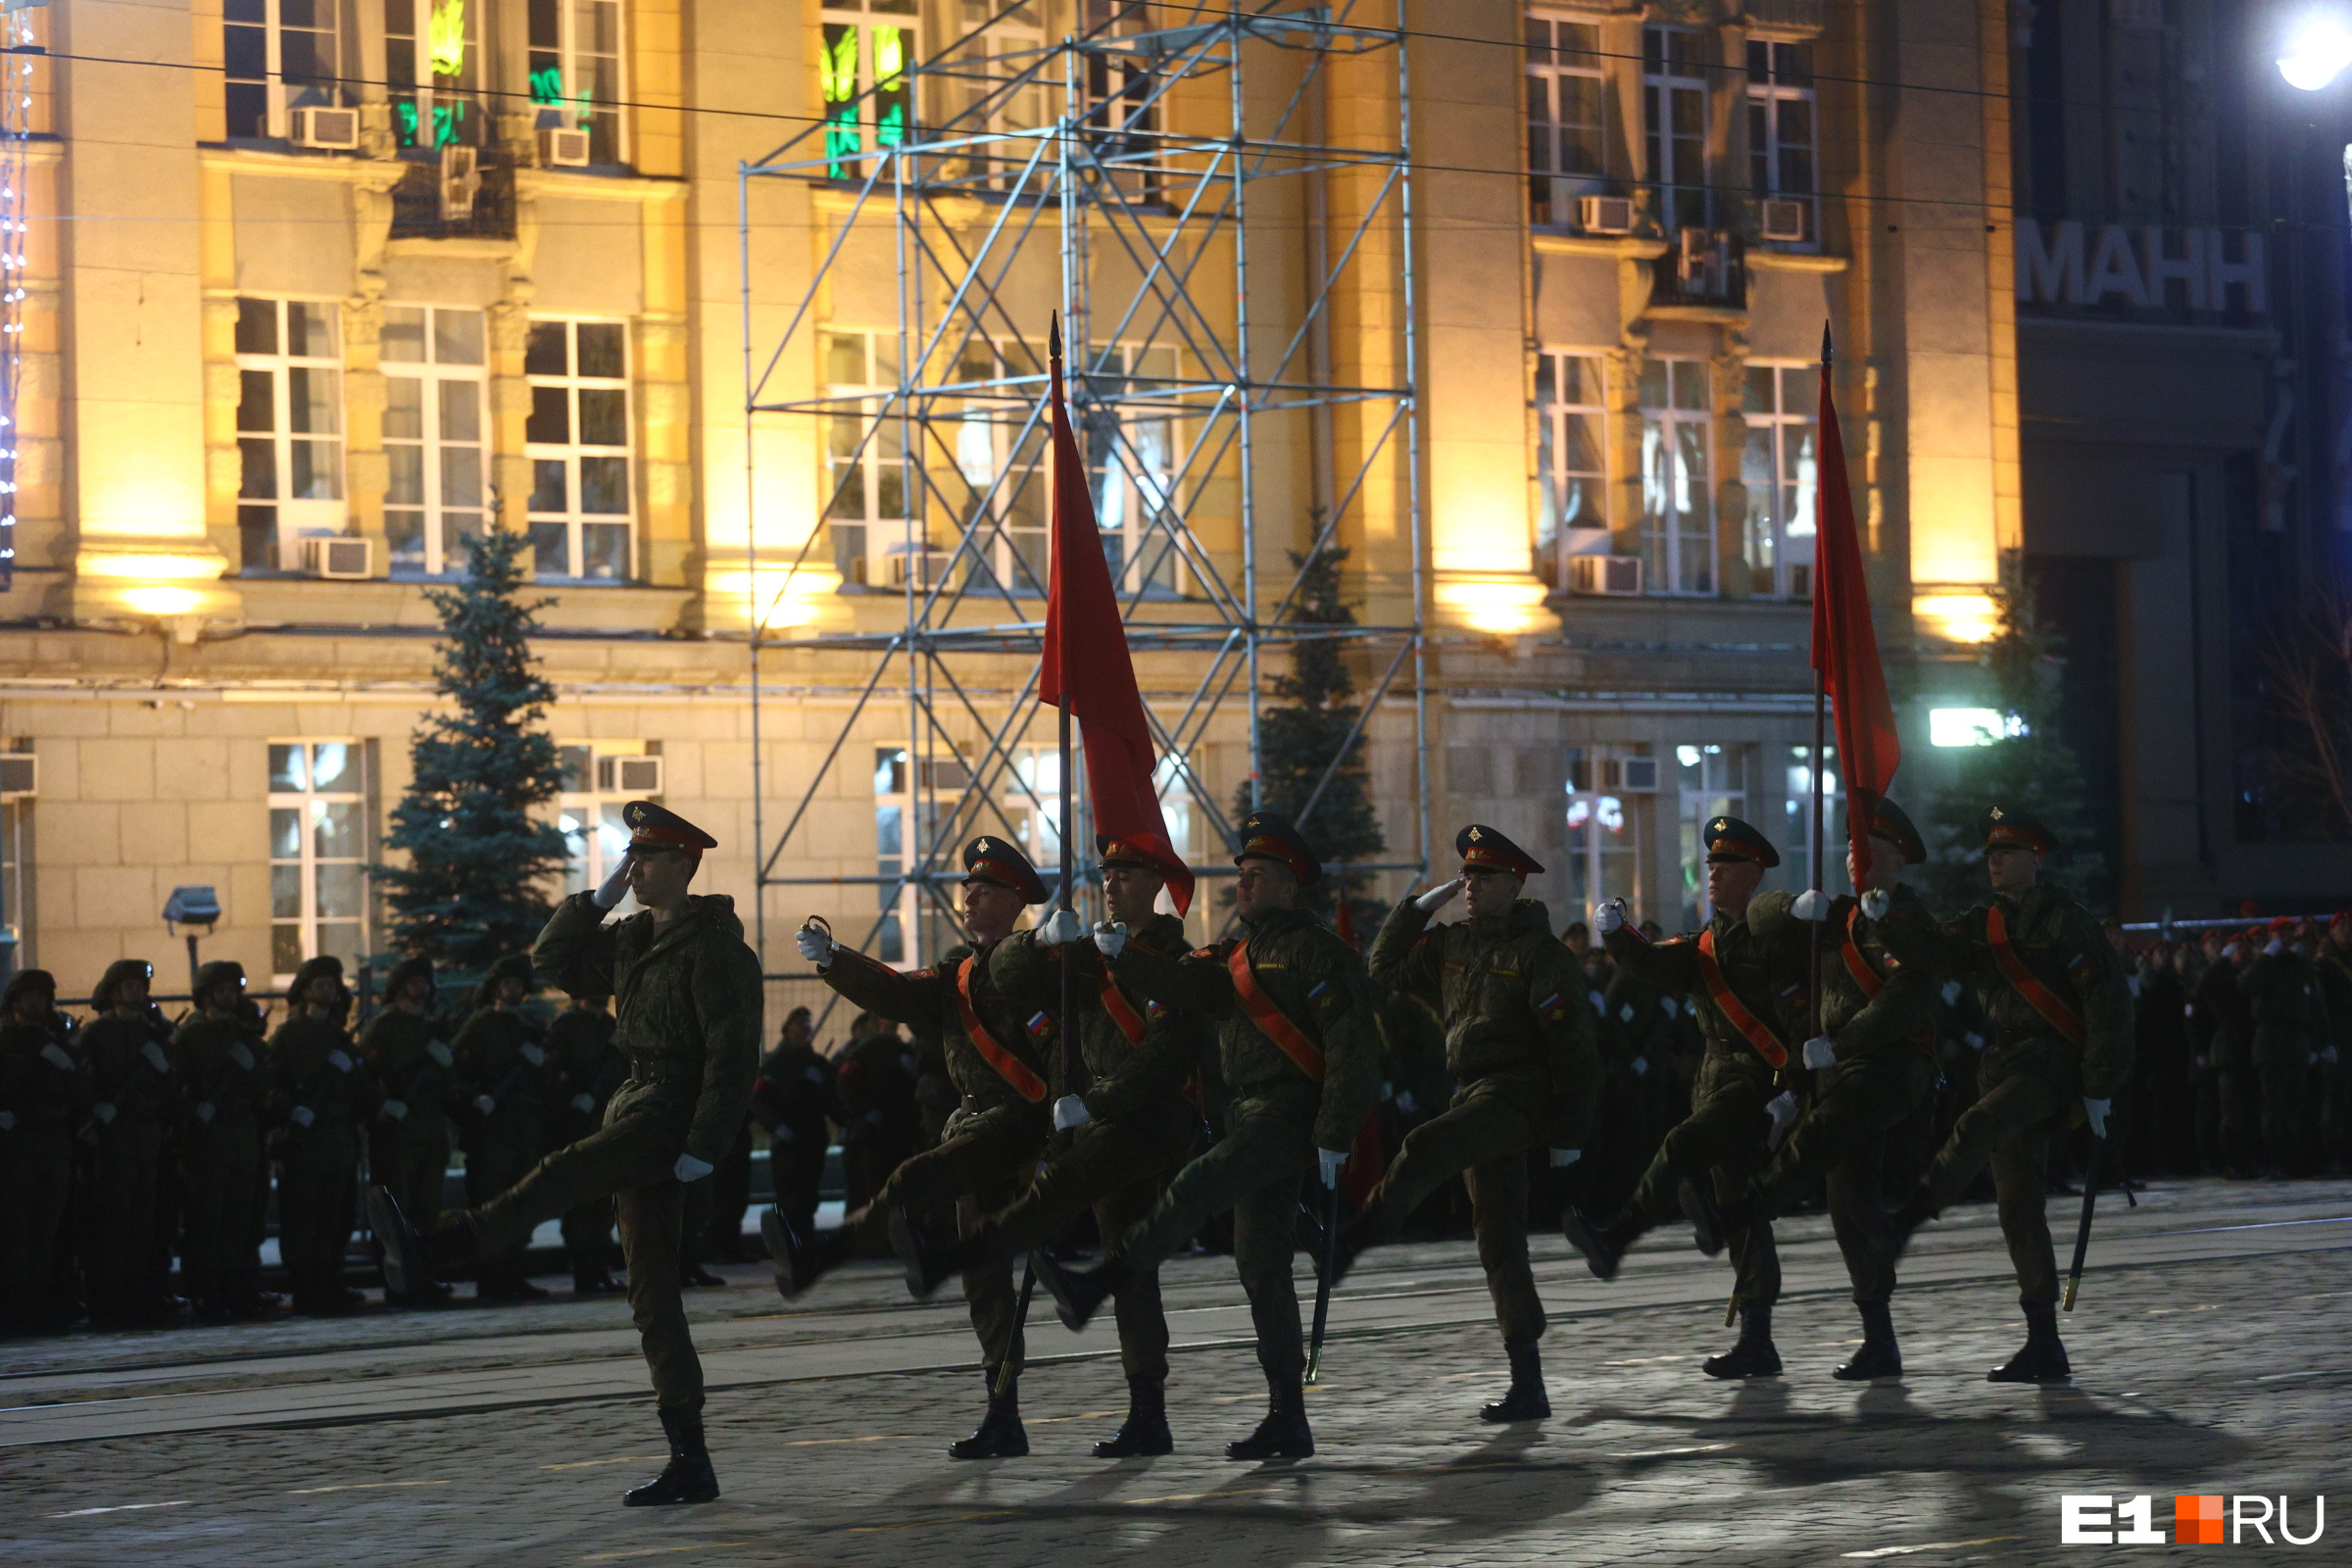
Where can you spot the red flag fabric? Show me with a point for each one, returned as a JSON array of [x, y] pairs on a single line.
[[1087, 669], [1845, 645]]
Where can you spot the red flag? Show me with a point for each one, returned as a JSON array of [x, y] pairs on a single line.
[[1343, 922], [1845, 645], [1087, 669]]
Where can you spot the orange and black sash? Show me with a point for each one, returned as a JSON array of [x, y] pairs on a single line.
[[1270, 1018], [2023, 980], [1122, 1012], [1856, 964], [1011, 1068], [1759, 1033]]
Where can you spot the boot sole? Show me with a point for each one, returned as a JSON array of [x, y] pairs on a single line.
[[904, 1243], [1581, 1236], [401, 1277]]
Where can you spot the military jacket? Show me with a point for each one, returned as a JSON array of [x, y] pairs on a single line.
[[793, 1094], [310, 1067], [1512, 998], [1672, 966], [2062, 946], [410, 1063], [124, 1067], [687, 994], [2334, 965], [1317, 981], [37, 1081], [2289, 1009], [218, 1065], [1125, 1075], [874, 1088], [589, 1069], [1018, 1023], [1899, 949], [2222, 1026], [500, 1054]]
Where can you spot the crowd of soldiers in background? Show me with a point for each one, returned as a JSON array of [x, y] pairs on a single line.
[[130, 1141]]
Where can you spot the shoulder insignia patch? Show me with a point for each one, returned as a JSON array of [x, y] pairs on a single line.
[[1204, 952]]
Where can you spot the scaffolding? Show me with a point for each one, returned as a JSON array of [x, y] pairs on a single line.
[[1107, 177]]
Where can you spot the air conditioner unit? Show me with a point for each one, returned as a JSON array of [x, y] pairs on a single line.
[[461, 180], [20, 775], [1785, 221], [929, 571], [1605, 575], [331, 129], [339, 555], [1605, 215], [628, 775], [1635, 775], [564, 149]]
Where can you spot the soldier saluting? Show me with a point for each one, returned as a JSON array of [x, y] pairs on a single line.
[[999, 1054], [1298, 1045], [1737, 1103], [2061, 1013], [1519, 1040], [689, 996]]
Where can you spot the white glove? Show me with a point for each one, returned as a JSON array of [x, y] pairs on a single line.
[[782, 1135], [1820, 1052], [204, 1112], [397, 1109], [1811, 904], [1640, 1066], [2096, 1110], [2276, 947], [1329, 1160], [1110, 938], [1782, 1108], [1059, 927], [1439, 897], [484, 1104], [583, 1103], [814, 943], [615, 887], [873, 1118], [1976, 1041], [2328, 1056], [1070, 1112], [1876, 903], [105, 1114], [302, 1115], [7, 1120], [1404, 1102], [1609, 917], [1562, 1157], [690, 1169], [1951, 992]]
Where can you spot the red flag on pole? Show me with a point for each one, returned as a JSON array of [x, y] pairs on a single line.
[[1087, 669], [1845, 645]]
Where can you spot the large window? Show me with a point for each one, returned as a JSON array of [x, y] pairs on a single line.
[[865, 479], [434, 67], [1001, 447], [289, 430], [1677, 510], [1572, 467], [1674, 123], [578, 436], [318, 854], [1610, 790], [1780, 131], [894, 806], [277, 55], [1565, 119], [982, 103], [1797, 845], [575, 72], [589, 812], [433, 377], [1131, 460], [870, 103], [1778, 471], [1716, 781]]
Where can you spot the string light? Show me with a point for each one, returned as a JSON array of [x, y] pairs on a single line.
[[16, 131]]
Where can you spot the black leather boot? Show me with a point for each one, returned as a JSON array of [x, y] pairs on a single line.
[[687, 1477], [999, 1435], [1146, 1431], [1698, 1207], [1603, 1246], [931, 1261], [1879, 1356], [1284, 1434], [593, 1282], [801, 1260], [1079, 1294], [1891, 1235], [1752, 1355], [414, 1262], [1525, 1400], [2043, 1359]]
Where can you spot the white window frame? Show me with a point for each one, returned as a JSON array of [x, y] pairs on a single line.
[[864, 22], [433, 373], [293, 518], [1674, 536], [590, 817], [1683, 197], [281, 96], [894, 822], [1127, 506], [1797, 853], [1550, 49], [556, 108], [1779, 468], [571, 516], [1608, 833], [1768, 98], [1561, 491], [864, 561], [1728, 781], [983, 63], [1002, 453], [310, 805]]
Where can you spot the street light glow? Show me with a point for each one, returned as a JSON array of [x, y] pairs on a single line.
[[2318, 53]]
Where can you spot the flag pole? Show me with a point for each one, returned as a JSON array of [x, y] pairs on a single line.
[[1820, 746], [1067, 780]]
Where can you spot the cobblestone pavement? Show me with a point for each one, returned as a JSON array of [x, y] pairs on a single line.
[[2209, 1348]]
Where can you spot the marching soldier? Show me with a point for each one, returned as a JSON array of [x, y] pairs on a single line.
[[1519, 1040], [1873, 1062], [589, 1070], [223, 1182], [689, 997], [408, 1138], [126, 1084], [1131, 1126], [314, 1097], [792, 1100], [1739, 1108], [1000, 1052], [504, 1080], [2290, 1021], [37, 1101], [1298, 1044], [2335, 964], [2060, 1018]]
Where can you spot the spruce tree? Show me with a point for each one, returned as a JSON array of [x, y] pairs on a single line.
[[1298, 736], [479, 856], [2030, 767]]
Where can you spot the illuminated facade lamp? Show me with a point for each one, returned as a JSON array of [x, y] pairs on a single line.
[[1972, 726], [1500, 607], [2317, 52], [1959, 617]]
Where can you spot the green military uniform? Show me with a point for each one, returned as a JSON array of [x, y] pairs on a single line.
[[37, 1101], [126, 1083], [880, 1121], [2230, 1092], [223, 1181], [2335, 964], [313, 1095], [589, 1070], [502, 1059], [413, 1069], [2289, 1009], [793, 1099]]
